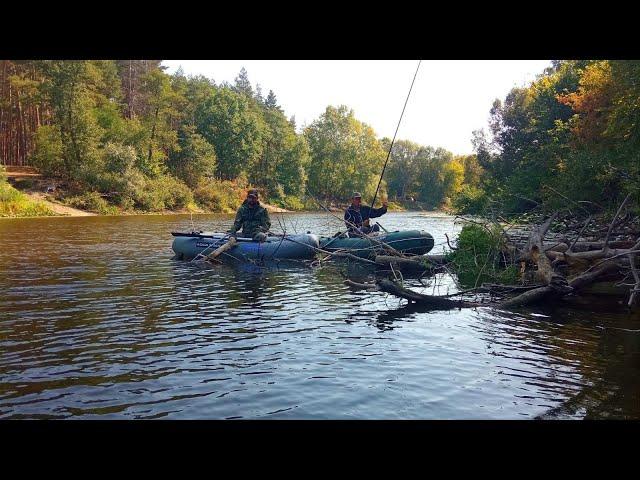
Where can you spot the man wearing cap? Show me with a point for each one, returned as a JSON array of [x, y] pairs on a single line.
[[357, 216], [253, 218]]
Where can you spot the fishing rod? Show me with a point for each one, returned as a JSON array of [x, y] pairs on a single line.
[[394, 135]]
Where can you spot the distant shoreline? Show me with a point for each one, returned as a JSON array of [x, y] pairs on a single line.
[[185, 213]]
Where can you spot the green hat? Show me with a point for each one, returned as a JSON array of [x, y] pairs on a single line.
[[356, 195]]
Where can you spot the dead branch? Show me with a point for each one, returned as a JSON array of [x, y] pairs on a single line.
[[436, 302], [624, 202]]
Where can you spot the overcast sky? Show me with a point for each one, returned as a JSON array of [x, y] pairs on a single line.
[[450, 98]]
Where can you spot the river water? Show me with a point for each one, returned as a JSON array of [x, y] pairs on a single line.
[[98, 322]]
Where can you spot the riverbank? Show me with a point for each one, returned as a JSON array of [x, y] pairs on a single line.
[[41, 196], [59, 209]]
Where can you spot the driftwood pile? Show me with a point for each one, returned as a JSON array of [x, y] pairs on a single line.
[[558, 258]]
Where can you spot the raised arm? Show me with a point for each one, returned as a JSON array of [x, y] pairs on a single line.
[[377, 212]]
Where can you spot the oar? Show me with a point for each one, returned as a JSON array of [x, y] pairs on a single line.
[[218, 251], [211, 245]]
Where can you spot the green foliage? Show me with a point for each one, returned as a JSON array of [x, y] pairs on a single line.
[[16, 204], [478, 257], [220, 195], [470, 200], [232, 123], [48, 153], [128, 130], [93, 202], [427, 174], [194, 159], [119, 158], [154, 194], [575, 129], [73, 89], [290, 202], [345, 155]]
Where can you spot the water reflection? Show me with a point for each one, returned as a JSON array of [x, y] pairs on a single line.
[[99, 322]]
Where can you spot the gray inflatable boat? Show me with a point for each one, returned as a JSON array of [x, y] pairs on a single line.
[[187, 246]]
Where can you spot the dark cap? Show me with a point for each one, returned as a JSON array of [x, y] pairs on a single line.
[[356, 195], [253, 192]]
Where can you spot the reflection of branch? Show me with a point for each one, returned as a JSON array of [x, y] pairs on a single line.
[[450, 246]]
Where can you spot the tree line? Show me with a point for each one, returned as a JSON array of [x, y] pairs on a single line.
[[572, 135], [126, 134]]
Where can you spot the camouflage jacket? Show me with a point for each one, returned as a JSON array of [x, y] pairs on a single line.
[[251, 220]]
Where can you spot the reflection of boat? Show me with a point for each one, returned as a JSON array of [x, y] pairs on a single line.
[[417, 242], [300, 247]]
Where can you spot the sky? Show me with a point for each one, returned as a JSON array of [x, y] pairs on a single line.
[[450, 98]]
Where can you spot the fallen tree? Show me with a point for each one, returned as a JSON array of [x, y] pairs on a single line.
[[559, 257]]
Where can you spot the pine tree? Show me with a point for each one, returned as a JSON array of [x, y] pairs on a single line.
[[272, 101], [131, 71], [243, 85], [259, 97]]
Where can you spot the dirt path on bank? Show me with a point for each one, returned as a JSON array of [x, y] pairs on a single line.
[[58, 208]]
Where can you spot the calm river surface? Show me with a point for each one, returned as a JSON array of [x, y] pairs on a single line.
[[98, 322]]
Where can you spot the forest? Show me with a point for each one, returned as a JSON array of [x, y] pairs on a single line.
[[126, 136]]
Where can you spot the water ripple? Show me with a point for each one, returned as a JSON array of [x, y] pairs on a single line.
[[100, 322]]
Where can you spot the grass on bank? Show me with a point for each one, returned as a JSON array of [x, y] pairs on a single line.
[[14, 203]]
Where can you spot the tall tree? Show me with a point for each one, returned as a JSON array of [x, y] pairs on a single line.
[[242, 83], [345, 155], [131, 72], [271, 101], [228, 121], [70, 90]]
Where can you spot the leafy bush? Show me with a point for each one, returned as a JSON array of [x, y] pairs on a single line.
[[93, 202], [290, 202], [155, 194], [478, 257], [395, 207], [220, 195], [194, 159], [119, 158], [470, 200]]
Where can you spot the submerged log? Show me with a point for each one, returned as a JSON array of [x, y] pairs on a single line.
[[528, 298], [430, 300], [393, 288], [411, 262]]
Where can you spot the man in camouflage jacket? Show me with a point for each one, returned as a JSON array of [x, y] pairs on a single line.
[[253, 218]]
